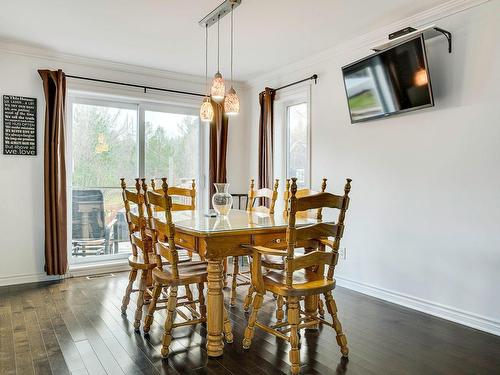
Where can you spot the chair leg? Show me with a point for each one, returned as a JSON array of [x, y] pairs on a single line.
[[294, 320], [201, 298], [248, 298], [169, 321], [321, 307], [148, 320], [332, 309], [126, 298], [234, 285], [249, 331], [225, 272], [189, 295], [140, 300], [228, 334], [280, 314]]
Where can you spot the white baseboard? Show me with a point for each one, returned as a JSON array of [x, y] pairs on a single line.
[[78, 270], [74, 271], [26, 278], [449, 313]]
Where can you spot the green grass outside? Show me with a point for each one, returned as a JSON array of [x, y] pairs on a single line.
[[363, 101]]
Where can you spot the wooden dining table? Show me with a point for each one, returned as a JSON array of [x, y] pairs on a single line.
[[215, 238]]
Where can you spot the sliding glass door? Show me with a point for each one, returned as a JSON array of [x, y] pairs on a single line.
[[109, 140], [172, 145]]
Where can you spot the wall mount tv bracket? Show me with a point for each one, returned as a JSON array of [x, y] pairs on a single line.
[[407, 33], [397, 34]]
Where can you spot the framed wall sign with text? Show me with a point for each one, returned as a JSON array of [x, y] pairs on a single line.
[[19, 125]]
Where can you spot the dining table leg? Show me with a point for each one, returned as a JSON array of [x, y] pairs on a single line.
[[215, 308]]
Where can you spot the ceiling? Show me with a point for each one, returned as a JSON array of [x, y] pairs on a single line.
[[165, 34]]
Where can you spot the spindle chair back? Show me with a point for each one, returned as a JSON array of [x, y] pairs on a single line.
[[133, 201], [163, 231], [141, 243], [262, 194], [300, 194], [183, 198]]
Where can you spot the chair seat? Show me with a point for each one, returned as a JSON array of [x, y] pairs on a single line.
[[304, 283], [189, 273], [277, 262], [274, 262], [139, 263]]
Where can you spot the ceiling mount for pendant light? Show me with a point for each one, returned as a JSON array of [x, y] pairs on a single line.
[[206, 109], [231, 101], [218, 89]]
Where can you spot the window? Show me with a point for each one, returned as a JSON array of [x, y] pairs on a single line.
[[172, 142], [110, 140], [297, 143]]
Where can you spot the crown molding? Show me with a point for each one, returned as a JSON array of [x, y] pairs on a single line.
[[366, 40], [363, 41], [60, 57]]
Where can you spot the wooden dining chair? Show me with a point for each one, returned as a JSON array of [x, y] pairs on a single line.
[[134, 210], [304, 275], [242, 278], [170, 277], [278, 262], [183, 197], [303, 193], [142, 258], [262, 194]]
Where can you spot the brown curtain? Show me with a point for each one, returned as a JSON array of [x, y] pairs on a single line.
[[56, 256], [266, 137], [218, 147]]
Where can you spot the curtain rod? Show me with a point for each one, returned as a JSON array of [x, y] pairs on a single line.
[[314, 76], [145, 88]]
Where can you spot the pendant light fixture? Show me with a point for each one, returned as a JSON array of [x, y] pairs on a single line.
[[231, 101], [206, 109], [218, 87], [101, 146]]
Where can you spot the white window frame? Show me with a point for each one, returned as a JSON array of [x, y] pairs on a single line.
[[123, 99], [283, 101]]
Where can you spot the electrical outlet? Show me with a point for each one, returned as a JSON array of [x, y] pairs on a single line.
[[343, 253]]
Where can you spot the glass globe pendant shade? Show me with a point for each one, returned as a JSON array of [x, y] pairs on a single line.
[[218, 88], [101, 146], [206, 110], [231, 103]]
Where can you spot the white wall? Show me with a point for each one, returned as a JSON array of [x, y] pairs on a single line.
[[21, 177], [423, 228]]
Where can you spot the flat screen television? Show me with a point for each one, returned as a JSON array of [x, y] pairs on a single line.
[[389, 82]]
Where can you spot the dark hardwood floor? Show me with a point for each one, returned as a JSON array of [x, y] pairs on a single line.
[[75, 327]]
